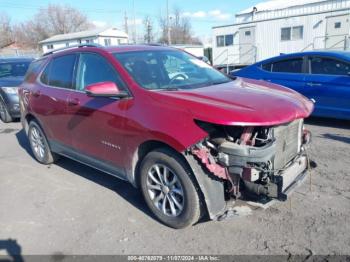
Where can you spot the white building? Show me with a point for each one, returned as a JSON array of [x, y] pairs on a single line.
[[196, 50], [282, 26], [102, 36]]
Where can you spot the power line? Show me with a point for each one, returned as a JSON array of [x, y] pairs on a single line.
[[35, 7]]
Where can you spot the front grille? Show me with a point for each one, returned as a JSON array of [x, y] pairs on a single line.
[[288, 142]]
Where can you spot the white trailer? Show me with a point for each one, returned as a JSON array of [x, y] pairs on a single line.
[[282, 26], [196, 50]]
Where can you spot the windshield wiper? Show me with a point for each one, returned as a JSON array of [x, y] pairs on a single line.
[[220, 82], [165, 89]]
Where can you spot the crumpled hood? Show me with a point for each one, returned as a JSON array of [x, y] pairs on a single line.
[[241, 102]]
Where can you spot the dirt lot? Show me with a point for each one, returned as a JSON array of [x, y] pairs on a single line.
[[69, 208]]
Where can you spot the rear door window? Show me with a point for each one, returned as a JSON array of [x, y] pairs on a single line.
[[294, 65], [328, 66], [59, 72]]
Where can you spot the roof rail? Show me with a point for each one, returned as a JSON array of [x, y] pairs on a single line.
[[71, 47]]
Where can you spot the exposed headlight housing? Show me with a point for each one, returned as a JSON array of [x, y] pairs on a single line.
[[10, 90]]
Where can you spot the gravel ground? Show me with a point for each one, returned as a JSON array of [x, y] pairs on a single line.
[[69, 208]]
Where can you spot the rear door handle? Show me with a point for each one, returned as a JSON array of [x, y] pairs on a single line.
[[36, 93], [73, 102], [313, 84]]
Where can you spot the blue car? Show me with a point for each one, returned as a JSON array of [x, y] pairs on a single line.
[[323, 77], [12, 71]]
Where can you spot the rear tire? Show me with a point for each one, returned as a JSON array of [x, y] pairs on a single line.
[[39, 145], [169, 189], [4, 113]]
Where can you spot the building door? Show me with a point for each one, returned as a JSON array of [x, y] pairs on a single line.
[[247, 49], [337, 32]]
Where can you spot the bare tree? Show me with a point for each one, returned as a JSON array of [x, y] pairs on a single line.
[[51, 20], [5, 30], [180, 29], [148, 24]]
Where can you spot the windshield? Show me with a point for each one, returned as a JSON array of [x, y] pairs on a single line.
[[13, 69], [169, 70]]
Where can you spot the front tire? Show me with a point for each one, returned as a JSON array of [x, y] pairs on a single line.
[[39, 145], [169, 189]]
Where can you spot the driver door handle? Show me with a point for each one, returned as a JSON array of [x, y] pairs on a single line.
[[313, 84], [73, 102]]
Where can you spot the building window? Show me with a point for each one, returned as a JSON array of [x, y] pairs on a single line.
[[224, 40], [107, 41], [220, 40], [228, 40], [292, 33], [49, 46], [298, 33], [286, 34], [247, 33], [337, 25]]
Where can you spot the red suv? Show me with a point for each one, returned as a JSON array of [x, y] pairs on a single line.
[[188, 136]]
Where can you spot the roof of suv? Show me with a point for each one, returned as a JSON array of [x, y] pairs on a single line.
[[128, 48], [113, 49]]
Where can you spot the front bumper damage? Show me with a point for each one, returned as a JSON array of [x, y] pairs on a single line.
[[258, 175]]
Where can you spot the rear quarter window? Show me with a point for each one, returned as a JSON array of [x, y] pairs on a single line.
[[266, 67], [34, 70]]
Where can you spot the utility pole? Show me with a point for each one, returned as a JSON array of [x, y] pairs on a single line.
[[149, 31], [168, 23], [134, 33], [126, 25]]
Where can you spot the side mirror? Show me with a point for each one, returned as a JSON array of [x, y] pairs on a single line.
[[104, 89]]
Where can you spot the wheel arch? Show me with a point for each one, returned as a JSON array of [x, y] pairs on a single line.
[[211, 192], [140, 153], [27, 119]]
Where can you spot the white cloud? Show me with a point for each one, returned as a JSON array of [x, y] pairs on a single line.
[[217, 14], [199, 14], [138, 21], [213, 14], [99, 23]]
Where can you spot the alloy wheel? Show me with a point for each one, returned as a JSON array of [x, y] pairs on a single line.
[[38, 144], [165, 190]]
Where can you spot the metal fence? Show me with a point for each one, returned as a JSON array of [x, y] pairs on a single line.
[[330, 42], [238, 54], [6, 53]]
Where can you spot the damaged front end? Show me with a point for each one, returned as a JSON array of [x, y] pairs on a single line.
[[255, 164]]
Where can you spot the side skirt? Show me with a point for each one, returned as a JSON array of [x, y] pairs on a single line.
[[90, 161]]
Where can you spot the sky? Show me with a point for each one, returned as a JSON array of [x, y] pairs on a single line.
[[203, 14]]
